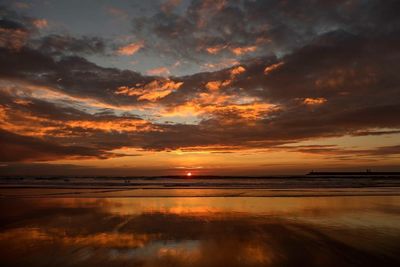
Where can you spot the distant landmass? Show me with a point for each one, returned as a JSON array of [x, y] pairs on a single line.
[[367, 172]]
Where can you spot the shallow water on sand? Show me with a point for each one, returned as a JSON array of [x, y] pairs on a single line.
[[201, 231]]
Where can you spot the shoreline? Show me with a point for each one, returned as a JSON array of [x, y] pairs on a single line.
[[197, 187], [6, 193]]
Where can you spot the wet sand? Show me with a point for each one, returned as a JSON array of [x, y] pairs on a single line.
[[76, 229], [192, 192]]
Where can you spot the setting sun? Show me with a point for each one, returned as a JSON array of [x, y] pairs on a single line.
[[188, 174]]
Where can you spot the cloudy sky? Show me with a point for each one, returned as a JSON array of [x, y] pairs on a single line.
[[163, 87]]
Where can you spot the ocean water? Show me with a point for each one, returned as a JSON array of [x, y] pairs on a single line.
[[197, 186], [328, 226]]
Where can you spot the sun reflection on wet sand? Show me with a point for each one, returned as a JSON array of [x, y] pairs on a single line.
[[256, 231]]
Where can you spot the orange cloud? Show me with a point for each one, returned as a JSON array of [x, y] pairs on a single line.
[[243, 50], [215, 49], [22, 102], [152, 91], [314, 101], [243, 113], [23, 123], [272, 67], [246, 112], [216, 103], [118, 125], [159, 71], [130, 49], [41, 23], [225, 63], [216, 85], [238, 70]]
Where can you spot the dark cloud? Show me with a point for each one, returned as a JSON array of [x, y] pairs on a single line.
[[13, 20], [321, 69], [366, 133], [356, 76], [71, 74], [22, 148], [12, 25], [336, 151], [271, 26], [360, 89], [62, 44], [17, 31]]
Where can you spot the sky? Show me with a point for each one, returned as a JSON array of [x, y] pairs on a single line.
[[211, 87]]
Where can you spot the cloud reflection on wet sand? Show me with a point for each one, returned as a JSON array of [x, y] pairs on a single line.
[[325, 231]]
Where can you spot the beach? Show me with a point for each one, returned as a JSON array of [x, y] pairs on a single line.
[[234, 222]]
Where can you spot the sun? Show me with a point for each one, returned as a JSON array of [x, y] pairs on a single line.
[[188, 174]]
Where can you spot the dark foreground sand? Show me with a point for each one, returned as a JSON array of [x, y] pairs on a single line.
[[229, 227]]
